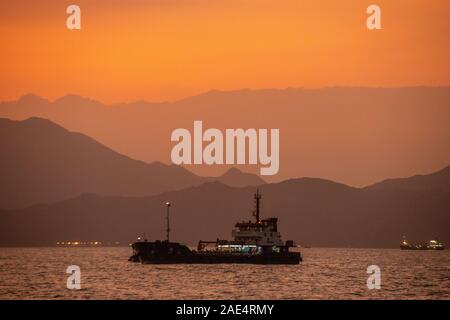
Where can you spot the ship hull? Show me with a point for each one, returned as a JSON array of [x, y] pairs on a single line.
[[174, 253], [204, 259]]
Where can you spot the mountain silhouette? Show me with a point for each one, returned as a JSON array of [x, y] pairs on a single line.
[[43, 162], [398, 131], [311, 211], [236, 178], [430, 182]]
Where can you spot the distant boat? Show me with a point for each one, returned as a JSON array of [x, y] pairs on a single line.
[[432, 245], [257, 242]]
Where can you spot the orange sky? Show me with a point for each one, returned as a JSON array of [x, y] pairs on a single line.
[[166, 49]]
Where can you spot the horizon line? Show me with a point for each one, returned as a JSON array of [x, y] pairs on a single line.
[[202, 93]]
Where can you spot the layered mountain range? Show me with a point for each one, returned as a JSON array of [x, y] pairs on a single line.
[[41, 162], [371, 133], [59, 185]]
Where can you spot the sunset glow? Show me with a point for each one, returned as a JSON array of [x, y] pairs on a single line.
[[167, 50]]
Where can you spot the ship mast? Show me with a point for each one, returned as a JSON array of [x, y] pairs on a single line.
[[257, 199], [168, 221]]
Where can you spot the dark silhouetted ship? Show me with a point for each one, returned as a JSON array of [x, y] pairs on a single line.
[[256, 242], [432, 245]]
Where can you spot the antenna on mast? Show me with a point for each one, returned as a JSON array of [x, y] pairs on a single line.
[[168, 221], [257, 199]]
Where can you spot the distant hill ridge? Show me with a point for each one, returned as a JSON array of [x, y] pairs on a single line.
[[43, 162], [337, 133], [314, 212]]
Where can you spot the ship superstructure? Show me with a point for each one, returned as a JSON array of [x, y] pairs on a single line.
[[257, 241]]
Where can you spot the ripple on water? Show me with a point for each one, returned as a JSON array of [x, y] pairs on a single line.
[[324, 274]]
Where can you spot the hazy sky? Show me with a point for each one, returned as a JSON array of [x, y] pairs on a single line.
[[167, 49]]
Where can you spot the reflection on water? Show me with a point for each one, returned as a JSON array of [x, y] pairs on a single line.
[[40, 273]]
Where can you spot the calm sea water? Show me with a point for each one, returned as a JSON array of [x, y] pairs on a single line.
[[40, 273]]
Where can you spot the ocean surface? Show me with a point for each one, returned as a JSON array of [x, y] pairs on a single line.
[[40, 273]]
